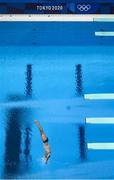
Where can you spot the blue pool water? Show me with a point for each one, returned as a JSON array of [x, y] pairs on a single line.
[[48, 83]]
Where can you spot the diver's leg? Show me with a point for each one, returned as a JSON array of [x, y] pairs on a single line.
[[39, 126], [43, 136]]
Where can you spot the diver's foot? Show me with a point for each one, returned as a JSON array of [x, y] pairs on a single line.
[[36, 122]]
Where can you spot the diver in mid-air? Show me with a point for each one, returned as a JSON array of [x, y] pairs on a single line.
[[45, 142]]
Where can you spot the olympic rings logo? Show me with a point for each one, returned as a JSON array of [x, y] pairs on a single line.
[[84, 7]]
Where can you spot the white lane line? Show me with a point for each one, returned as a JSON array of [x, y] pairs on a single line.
[[104, 33], [55, 17], [47, 17], [105, 120], [99, 96], [101, 146], [104, 19]]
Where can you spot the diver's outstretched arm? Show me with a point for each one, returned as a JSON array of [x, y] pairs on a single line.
[[47, 158]]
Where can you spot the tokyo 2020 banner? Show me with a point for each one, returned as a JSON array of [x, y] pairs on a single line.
[[56, 7]]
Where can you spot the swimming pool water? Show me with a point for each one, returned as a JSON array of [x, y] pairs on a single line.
[[48, 83]]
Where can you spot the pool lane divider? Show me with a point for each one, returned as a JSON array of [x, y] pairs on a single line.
[[104, 33], [100, 120], [105, 96], [100, 146], [104, 19]]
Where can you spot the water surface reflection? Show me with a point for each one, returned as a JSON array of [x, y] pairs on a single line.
[[79, 79], [17, 124]]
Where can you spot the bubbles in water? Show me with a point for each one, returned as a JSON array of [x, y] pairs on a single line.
[[43, 160]]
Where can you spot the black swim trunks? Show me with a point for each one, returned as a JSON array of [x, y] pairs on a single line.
[[45, 141]]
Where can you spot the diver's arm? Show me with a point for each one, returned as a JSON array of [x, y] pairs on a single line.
[[47, 156]]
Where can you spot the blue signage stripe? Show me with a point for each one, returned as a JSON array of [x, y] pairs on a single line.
[[57, 7]]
